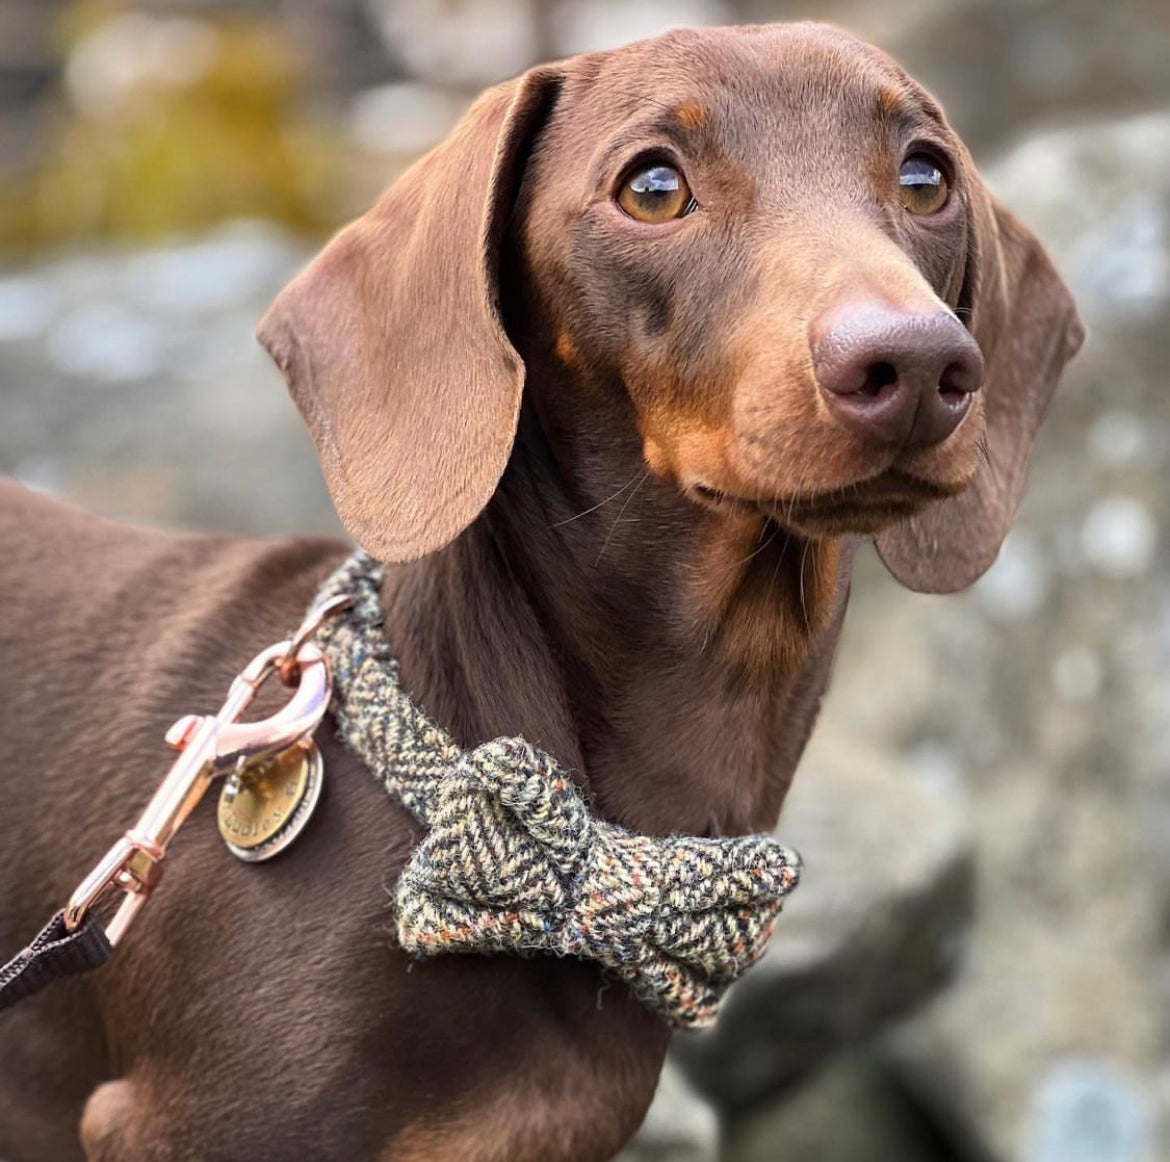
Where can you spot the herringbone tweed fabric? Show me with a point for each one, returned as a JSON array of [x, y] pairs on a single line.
[[514, 861]]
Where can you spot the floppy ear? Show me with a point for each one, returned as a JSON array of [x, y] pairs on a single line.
[[393, 345], [1026, 324]]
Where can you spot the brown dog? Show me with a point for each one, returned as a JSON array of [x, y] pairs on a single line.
[[621, 369]]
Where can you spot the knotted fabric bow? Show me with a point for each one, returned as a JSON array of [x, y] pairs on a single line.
[[514, 861]]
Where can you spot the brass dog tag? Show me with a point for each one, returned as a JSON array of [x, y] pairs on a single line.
[[264, 806]]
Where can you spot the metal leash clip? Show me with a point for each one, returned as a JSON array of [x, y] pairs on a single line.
[[212, 746]]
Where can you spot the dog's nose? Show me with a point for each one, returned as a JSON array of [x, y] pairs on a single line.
[[894, 377]]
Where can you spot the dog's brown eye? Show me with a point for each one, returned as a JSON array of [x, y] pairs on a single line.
[[922, 186], [656, 194]]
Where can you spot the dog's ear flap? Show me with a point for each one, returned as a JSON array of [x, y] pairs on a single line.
[[1025, 322], [392, 341]]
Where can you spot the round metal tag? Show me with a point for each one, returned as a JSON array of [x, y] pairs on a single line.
[[265, 806]]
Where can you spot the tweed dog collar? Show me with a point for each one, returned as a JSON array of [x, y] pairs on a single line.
[[514, 861]]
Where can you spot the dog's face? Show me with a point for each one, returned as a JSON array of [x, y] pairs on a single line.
[[733, 231], [765, 242]]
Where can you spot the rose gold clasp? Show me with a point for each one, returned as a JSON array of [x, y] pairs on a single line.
[[211, 745]]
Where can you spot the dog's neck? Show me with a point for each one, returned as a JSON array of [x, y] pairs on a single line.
[[673, 657]]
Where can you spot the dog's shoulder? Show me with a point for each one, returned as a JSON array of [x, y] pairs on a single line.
[[98, 616]]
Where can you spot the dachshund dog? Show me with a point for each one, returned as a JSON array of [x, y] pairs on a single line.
[[616, 378]]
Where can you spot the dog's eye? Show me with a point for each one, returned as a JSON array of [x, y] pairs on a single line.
[[656, 194], [922, 186]]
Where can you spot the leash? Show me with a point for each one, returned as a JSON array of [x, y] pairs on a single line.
[[55, 954], [512, 861], [75, 941]]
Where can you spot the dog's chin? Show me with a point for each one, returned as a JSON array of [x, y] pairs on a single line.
[[865, 508]]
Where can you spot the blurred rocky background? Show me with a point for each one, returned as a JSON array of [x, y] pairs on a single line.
[[976, 968]]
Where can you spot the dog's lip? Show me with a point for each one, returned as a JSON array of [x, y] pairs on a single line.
[[893, 491], [719, 498], [890, 491]]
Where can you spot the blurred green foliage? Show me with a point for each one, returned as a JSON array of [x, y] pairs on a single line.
[[165, 124]]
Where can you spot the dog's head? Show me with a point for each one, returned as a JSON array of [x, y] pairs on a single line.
[[766, 241]]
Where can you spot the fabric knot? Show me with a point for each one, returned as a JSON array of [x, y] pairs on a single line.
[[498, 863], [514, 861]]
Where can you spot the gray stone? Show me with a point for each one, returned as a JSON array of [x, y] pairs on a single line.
[[1000, 64], [873, 930], [28, 305], [1018, 585], [465, 42], [131, 382], [406, 117], [591, 25], [107, 343], [1119, 536], [1089, 1111], [847, 1112], [1098, 195], [228, 268]]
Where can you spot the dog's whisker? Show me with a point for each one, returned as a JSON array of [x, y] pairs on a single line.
[[803, 601], [621, 512], [599, 504], [760, 547], [779, 557]]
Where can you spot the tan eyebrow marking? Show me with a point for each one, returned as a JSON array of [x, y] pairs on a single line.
[[566, 349], [691, 115], [890, 99]]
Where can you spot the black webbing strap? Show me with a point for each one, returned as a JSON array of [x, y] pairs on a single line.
[[55, 953]]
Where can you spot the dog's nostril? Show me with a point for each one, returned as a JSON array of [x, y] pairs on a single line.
[[877, 376], [953, 383]]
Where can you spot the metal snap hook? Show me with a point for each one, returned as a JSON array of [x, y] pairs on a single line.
[[211, 746], [240, 742]]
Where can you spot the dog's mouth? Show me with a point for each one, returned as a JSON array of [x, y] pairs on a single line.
[[864, 508]]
